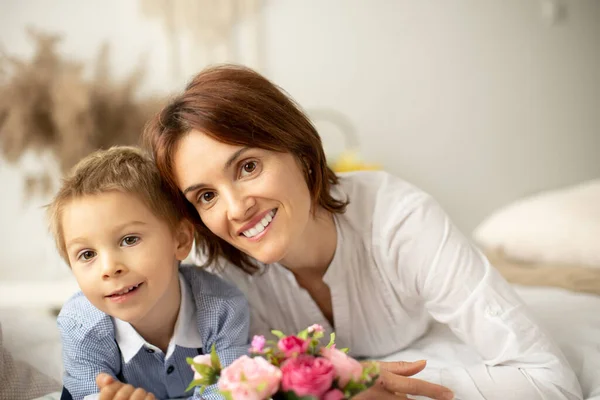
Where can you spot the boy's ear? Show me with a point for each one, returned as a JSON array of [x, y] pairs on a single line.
[[184, 236]]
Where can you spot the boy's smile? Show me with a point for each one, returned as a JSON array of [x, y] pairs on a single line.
[[125, 259], [122, 295]]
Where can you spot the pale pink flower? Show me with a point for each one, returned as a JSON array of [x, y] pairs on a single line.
[[243, 392], [258, 344], [335, 394], [250, 378], [346, 367], [315, 328], [201, 359], [293, 346], [307, 375]]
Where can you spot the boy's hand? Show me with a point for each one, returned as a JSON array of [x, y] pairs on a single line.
[[111, 389]]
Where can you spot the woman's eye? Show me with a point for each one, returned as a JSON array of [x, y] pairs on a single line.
[[87, 255], [248, 168], [206, 197], [130, 240]]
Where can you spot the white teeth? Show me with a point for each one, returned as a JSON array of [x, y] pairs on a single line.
[[260, 226], [125, 291]]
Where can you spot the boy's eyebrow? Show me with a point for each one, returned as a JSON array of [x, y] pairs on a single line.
[[128, 223], [232, 159], [74, 241], [82, 240]]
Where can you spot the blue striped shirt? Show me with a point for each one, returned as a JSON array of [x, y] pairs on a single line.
[[90, 344]]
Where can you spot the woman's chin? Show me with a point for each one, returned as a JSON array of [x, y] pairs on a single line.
[[267, 259], [267, 256]]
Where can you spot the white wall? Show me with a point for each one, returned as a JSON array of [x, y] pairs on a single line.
[[477, 101]]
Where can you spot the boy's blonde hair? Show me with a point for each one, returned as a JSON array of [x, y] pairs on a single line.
[[120, 168]]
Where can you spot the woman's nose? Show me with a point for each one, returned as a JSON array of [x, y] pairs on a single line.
[[239, 206]]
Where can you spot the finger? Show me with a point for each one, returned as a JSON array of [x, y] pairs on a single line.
[[403, 368], [138, 394], [125, 392], [400, 384], [150, 396], [109, 392], [103, 380], [378, 392]]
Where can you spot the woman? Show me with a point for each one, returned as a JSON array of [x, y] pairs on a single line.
[[365, 254]]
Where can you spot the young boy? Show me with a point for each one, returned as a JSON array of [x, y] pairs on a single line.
[[139, 315]]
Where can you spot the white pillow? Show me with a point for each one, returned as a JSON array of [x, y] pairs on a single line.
[[560, 226]]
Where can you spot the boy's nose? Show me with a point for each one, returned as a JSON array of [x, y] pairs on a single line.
[[112, 268]]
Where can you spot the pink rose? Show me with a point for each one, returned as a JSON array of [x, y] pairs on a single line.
[[307, 375], [258, 344], [315, 328], [250, 378], [292, 346], [202, 359], [346, 368], [335, 394]]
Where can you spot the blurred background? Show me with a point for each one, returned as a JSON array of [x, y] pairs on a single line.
[[479, 102]]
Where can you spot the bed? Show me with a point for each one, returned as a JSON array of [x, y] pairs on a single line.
[[573, 319]]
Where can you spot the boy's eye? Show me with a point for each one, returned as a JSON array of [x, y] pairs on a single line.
[[130, 240], [87, 255], [248, 168]]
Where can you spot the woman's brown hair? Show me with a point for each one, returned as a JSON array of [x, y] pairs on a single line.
[[238, 106]]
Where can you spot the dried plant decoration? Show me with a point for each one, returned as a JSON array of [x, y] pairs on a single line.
[[47, 105]]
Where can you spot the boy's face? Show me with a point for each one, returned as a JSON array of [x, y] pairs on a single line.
[[123, 257]]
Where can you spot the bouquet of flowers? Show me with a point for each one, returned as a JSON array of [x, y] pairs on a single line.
[[294, 367]]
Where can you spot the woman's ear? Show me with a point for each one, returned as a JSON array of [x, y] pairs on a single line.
[[184, 236]]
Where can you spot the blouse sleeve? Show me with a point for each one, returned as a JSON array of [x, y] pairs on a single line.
[[460, 288]]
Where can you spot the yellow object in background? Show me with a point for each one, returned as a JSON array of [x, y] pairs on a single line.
[[350, 161]]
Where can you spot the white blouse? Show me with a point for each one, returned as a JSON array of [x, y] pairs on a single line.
[[399, 264]]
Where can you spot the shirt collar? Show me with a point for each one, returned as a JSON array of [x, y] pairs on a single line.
[[185, 334]]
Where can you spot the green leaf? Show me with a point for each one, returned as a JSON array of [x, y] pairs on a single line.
[[214, 359], [204, 370], [344, 350], [193, 384], [277, 333], [370, 372], [227, 395], [293, 396], [354, 387], [317, 335], [331, 340], [303, 335]]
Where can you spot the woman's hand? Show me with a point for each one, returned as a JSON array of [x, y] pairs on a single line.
[[112, 389], [393, 383]]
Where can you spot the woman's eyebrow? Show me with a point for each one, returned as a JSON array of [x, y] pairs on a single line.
[[234, 157]]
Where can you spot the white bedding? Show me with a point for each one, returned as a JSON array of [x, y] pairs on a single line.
[[573, 320]]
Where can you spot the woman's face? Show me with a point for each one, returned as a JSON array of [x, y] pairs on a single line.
[[255, 199]]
